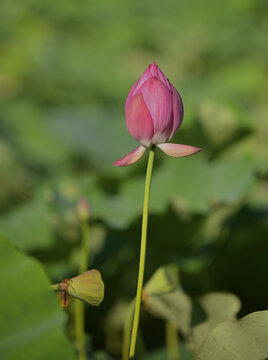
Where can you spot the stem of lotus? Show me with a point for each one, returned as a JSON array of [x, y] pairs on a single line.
[[133, 339]]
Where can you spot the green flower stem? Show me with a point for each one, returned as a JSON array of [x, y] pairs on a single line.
[[172, 341], [79, 305], [85, 248], [133, 339], [79, 329]]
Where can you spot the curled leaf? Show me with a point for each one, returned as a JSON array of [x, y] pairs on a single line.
[[163, 297], [87, 287]]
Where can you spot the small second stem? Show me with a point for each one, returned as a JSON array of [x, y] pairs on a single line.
[[134, 333], [79, 305], [172, 341]]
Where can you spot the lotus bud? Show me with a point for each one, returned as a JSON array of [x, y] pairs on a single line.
[[83, 210], [154, 112]]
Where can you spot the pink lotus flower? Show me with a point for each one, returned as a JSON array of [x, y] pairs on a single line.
[[154, 112]]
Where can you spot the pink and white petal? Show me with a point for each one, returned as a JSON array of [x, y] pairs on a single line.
[[144, 77], [177, 111], [136, 87], [131, 157], [139, 121], [155, 71], [130, 94], [158, 99], [178, 150]]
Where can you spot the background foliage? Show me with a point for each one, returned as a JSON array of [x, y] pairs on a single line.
[[65, 70]]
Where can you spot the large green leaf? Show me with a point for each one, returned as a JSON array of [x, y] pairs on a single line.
[[226, 181], [28, 226], [32, 322], [245, 339], [162, 354], [229, 121], [34, 136], [218, 307], [100, 136], [196, 183], [11, 170]]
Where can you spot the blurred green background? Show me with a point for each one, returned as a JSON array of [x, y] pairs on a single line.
[[66, 68]]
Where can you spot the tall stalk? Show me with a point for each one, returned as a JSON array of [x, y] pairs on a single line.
[[134, 333]]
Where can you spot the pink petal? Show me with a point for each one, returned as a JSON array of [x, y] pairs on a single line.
[[136, 87], [177, 111], [178, 150], [131, 157], [158, 100], [139, 121], [155, 71], [130, 94]]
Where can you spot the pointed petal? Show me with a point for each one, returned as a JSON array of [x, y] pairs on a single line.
[[158, 99], [139, 121], [132, 157], [178, 150], [144, 77], [136, 87], [155, 71], [131, 93], [177, 111]]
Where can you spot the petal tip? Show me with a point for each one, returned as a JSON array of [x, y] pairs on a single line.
[[116, 163], [131, 158]]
